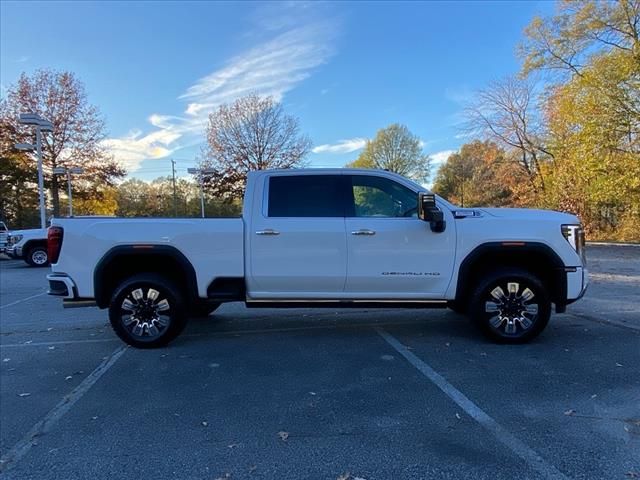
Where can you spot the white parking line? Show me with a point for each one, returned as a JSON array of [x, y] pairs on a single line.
[[60, 342], [226, 333], [534, 460], [23, 300], [21, 448]]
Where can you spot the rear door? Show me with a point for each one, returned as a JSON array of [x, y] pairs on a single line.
[[297, 239], [391, 253]]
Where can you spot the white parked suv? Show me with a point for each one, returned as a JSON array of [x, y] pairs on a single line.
[[324, 238], [29, 245]]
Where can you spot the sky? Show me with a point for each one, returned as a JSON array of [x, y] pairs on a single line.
[[156, 69]]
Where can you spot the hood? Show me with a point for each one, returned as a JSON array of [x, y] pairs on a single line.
[[31, 232], [531, 214]]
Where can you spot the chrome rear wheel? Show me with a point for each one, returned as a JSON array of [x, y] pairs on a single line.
[[147, 311]]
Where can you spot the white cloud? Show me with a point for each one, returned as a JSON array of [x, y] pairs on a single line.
[[461, 95], [463, 135], [342, 146], [273, 68], [441, 157], [132, 149]]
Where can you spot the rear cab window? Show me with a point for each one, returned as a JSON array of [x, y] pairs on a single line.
[[306, 196]]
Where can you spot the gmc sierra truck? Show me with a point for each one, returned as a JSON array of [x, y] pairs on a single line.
[[324, 238]]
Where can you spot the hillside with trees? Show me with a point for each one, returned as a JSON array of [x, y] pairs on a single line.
[[566, 128]]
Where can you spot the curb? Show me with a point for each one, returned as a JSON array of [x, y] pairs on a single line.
[[613, 244]]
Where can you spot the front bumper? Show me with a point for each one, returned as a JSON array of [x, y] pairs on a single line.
[[11, 252], [577, 283]]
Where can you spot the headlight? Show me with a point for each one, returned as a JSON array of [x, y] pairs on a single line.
[[13, 239], [574, 234]]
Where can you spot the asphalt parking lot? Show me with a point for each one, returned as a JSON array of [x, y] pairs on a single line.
[[322, 394]]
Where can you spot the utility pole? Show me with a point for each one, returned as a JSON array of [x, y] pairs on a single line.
[[68, 171], [201, 172], [175, 197], [462, 185], [41, 125]]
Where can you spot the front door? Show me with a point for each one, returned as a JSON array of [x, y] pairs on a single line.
[[391, 253], [297, 244]]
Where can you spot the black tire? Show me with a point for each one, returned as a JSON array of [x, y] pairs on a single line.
[[515, 313], [37, 257], [149, 322], [203, 309]]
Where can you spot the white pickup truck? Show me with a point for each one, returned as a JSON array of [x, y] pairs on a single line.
[[29, 245], [324, 238]]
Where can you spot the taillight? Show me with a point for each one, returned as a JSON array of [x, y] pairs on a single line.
[[54, 243]]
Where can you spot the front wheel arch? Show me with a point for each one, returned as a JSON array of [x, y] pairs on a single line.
[[537, 258]]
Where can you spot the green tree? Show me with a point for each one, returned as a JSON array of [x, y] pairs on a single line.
[[18, 193], [396, 149], [596, 173], [591, 51], [137, 198], [78, 130], [480, 174]]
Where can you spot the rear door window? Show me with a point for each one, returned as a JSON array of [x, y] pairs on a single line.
[[306, 196]]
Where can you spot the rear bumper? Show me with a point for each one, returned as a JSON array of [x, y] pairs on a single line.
[[61, 285]]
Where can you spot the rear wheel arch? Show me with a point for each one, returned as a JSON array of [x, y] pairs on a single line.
[[536, 258], [125, 261]]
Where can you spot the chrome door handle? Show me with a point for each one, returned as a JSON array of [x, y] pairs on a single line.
[[267, 231], [363, 231]]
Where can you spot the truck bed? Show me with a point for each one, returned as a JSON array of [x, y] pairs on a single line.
[[214, 244]]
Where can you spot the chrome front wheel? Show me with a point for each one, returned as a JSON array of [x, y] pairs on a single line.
[[512, 311], [37, 257], [511, 306]]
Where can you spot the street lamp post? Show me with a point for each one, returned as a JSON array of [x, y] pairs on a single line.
[[201, 172], [68, 171], [41, 125]]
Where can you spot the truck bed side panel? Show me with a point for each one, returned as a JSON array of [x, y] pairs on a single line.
[[213, 246]]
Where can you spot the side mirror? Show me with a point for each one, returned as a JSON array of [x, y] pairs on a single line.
[[428, 211]]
